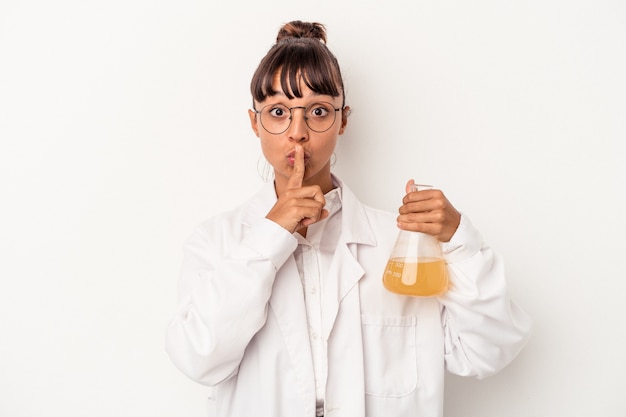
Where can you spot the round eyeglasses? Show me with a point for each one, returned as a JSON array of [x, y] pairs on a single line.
[[276, 118]]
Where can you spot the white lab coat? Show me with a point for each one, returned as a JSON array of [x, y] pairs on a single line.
[[241, 326]]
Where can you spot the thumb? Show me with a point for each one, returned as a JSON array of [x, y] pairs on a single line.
[[409, 185]]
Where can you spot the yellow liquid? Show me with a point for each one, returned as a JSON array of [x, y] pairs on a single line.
[[426, 277]]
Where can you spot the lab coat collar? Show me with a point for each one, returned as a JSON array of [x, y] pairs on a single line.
[[354, 218]]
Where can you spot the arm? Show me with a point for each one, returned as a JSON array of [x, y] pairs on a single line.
[[484, 329], [223, 294], [223, 299]]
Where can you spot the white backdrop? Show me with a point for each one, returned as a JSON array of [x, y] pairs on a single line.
[[123, 124]]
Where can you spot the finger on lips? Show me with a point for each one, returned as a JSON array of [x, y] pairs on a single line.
[[297, 175], [308, 201]]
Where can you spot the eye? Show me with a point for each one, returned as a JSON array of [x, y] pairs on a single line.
[[278, 111], [319, 110]]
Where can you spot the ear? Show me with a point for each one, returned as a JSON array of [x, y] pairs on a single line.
[[345, 112], [253, 122]]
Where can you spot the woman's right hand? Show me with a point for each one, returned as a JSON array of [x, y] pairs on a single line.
[[298, 207]]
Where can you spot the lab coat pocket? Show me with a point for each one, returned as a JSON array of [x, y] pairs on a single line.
[[390, 355]]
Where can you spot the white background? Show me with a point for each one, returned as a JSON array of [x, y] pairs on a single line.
[[123, 124]]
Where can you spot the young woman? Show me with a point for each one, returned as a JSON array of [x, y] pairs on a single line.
[[282, 310]]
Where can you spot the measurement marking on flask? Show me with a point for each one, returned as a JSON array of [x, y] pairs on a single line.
[[420, 277]]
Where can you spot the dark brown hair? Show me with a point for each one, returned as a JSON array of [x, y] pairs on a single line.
[[300, 54]]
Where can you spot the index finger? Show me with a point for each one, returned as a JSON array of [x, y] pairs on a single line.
[[297, 175]]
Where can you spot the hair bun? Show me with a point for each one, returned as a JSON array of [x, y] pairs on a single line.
[[300, 29]]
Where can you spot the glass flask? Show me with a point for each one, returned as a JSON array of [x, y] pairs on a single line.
[[416, 265]]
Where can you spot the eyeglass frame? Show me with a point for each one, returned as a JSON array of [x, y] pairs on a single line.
[[291, 116]]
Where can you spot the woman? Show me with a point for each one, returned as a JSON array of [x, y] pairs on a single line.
[[282, 311]]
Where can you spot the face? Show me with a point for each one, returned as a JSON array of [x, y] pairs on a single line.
[[318, 147]]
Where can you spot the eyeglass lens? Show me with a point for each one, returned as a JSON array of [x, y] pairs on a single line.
[[319, 117]]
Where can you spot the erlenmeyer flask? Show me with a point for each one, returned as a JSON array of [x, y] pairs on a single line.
[[416, 265]]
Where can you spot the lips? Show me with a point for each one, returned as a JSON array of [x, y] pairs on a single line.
[[291, 156]]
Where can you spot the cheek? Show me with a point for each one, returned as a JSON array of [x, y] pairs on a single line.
[[268, 148], [330, 144]]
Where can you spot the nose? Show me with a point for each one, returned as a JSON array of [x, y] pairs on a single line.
[[298, 129]]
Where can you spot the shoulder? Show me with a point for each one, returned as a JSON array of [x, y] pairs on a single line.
[[383, 225], [217, 230], [379, 216], [236, 220], [367, 224], [375, 216]]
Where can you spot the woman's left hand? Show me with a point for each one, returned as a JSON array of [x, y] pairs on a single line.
[[430, 212]]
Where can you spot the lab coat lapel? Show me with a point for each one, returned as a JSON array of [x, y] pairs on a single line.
[[345, 383], [287, 304], [345, 386], [345, 270], [341, 318]]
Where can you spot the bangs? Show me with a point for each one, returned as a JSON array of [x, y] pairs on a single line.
[[296, 64]]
